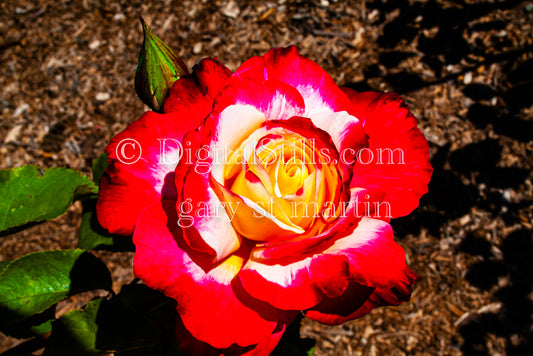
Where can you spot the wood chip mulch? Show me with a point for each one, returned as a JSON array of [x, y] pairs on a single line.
[[464, 67]]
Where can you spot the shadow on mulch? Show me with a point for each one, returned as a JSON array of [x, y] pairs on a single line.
[[444, 44], [513, 320], [450, 198], [470, 176]]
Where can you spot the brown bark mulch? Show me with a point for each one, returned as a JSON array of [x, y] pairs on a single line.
[[464, 67]]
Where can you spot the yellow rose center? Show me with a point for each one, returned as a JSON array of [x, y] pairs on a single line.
[[289, 184]]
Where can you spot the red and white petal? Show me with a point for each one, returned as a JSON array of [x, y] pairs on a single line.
[[232, 126], [240, 109], [269, 343], [296, 285], [141, 163], [192, 346], [396, 161], [278, 249], [321, 139], [155, 139], [211, 302], [318, 89], [359, 300], [206, 224], [376, 260], [325, 102], [118, 208], [346, 132], [189, 94], [330, 310], [400, 292], [211, 75], [275, 99], [211, 230]]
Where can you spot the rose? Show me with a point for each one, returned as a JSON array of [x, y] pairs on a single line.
[[265, 192]]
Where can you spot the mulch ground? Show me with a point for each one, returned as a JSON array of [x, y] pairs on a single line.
[[464, 67]]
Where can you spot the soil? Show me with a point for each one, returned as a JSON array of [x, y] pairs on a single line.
[[464, 67]]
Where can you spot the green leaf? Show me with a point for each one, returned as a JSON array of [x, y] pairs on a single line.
[[30, 194], [121, 325], [157, 70], [99, 165], [35, 282], [44, 327], [38, 324], [75, 332], [3, 265], [92, 236]]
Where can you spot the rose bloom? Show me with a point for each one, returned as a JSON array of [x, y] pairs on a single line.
[[266, 192]]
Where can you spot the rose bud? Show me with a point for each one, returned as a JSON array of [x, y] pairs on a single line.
[[158, 68]]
